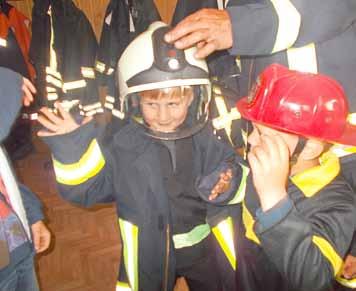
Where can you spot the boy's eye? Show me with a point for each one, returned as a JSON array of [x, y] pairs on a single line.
[[149, 104], [173, 103]]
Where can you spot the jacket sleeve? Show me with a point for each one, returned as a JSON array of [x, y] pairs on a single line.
[[310, 249], [10, 99], [82, 166], [265, 27], [32, 204], [218, 157]]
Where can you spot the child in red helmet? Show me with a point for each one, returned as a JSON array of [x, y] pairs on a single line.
[[299, 213]]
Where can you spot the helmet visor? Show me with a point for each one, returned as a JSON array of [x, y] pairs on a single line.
[[170, 113]]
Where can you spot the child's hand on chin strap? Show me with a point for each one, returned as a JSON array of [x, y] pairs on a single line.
[[57, 124], [269, 162]]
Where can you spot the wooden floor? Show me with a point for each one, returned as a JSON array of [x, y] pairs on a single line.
[[84, 254]]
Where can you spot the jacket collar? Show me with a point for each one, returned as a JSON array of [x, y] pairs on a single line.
[[316, 178]]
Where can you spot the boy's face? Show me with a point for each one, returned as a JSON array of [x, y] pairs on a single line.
[[254, 138], [164, 110]]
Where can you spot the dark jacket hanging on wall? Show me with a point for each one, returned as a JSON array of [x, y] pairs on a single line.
[[69, 65], [123, 21]]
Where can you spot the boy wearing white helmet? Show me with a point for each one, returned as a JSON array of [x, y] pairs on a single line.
[[155, 168]]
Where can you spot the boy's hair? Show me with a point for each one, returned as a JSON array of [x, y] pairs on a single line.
[[157, 94], [305, 104]]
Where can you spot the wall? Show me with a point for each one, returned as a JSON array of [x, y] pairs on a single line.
[[95, 10]]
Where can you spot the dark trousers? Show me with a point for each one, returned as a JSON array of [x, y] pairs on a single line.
[[203, 275]]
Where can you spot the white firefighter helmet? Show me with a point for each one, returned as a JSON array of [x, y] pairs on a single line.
[[149, 64]]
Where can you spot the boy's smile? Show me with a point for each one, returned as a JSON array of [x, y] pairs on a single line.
[[164, 110]]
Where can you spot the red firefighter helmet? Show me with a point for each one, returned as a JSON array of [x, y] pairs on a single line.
[[310, 105]]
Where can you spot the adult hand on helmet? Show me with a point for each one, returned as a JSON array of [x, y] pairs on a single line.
[[222, 185], [57, 124], [269, 162], [209, 29]]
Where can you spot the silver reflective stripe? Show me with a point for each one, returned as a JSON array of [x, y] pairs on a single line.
[[118, 113], [303, 59], [3, 42], [352, 118], [74, 85], [289, 21], [88, 72], [191, 238]]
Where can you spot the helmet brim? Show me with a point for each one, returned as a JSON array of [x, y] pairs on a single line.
[[347, 138]]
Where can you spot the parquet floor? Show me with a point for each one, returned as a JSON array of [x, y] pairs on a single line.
[[84, 254]]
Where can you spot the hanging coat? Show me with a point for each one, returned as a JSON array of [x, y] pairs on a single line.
[[15, 41], [123, 21], [64, 49]]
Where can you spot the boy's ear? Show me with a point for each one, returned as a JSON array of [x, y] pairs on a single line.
[[312, 149]]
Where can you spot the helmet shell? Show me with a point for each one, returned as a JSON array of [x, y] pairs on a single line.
[[150, 63], [310, 105]]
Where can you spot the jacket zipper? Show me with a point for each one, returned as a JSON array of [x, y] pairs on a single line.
[[168, 242]]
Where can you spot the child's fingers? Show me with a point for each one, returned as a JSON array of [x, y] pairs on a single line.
[[66, 115], [47, 124], [51, 116]]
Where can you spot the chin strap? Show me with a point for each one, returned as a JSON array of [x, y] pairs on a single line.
[[298, 149]]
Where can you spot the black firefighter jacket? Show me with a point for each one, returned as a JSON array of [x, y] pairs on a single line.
[[63, 50], [123, 21], [314, 36], [129, 172], [300, 244]]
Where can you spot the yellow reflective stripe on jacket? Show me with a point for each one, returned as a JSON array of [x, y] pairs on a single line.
[[351, 283], [122, 286], [224, 233], [87, 167], [240, 193], [328, 252], [191, 238], [129, 235], [312, 180], [289, 21], [303, 59], [249, 222]]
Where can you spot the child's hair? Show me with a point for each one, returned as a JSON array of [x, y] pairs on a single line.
[[172, 92]]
